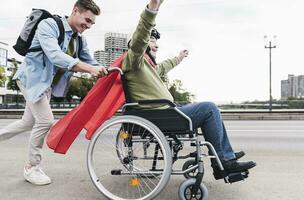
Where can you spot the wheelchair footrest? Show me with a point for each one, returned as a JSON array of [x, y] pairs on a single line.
[[218, 174], [232, 177], [239, 176]]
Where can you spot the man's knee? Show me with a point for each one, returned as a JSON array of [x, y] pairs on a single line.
[[45, 123], [49, 124], [28, 124], [208, 106]]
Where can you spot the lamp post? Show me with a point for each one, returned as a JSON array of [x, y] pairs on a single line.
[[270, 43]]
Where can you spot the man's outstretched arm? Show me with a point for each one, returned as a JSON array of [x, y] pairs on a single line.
[[165, 66], [141, 36]]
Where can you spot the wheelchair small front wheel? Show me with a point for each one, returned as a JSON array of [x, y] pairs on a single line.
[[185, 190], [188, 164], [119, 165]]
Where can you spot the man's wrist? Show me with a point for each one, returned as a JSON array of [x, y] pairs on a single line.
[[179, 59], [154, 11]]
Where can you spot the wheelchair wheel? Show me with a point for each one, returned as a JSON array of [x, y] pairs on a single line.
[[185, 190], [187, 165], [120, 167]]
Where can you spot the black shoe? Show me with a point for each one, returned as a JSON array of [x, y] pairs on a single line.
[[239, 155], [232, 166], [236, 166]]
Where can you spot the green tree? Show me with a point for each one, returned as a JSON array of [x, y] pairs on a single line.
[[79, 86], [12, 84], [179, 94], [176, 89], [2, 76]]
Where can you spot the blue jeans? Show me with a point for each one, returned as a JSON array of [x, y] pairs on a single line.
[[206, 115]]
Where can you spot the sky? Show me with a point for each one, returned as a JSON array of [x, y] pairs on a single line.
[[227, 60]]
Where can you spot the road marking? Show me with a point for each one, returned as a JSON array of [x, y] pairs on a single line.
[[261, 130]]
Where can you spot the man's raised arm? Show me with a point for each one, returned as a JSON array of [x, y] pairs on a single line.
[[165, 66], [141, 36]]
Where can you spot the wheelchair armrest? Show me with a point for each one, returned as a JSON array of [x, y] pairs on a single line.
[[149, 102], [157, 101]]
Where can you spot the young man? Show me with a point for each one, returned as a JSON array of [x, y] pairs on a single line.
[[143, 74], [47, 72]]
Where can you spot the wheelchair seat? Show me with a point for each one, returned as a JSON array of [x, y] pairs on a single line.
[[169, 120]]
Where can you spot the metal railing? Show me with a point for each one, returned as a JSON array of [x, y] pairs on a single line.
[[56, 105]]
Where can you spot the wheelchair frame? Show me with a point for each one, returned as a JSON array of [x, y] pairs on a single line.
[[169, 146]]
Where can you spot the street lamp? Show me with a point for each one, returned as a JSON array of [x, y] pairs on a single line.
[[270, 43]]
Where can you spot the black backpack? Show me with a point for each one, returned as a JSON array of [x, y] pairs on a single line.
[[26, 36]]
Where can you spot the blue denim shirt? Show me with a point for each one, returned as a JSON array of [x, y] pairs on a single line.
[[38, 69]]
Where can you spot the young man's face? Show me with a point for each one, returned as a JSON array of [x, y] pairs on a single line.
[[81, 20], [153, 46]]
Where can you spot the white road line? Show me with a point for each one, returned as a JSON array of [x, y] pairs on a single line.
[[261, 130]]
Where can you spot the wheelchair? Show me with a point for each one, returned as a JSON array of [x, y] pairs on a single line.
[[131, 156]]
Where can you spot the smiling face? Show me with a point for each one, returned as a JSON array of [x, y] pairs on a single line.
[[81, 20], [153, 46]]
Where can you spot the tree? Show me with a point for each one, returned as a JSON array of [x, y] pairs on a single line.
[[176, 89], [12, 84], [2, 76], [178, 92], [79, 86]]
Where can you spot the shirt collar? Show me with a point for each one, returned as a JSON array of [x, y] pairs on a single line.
[[67, 27]]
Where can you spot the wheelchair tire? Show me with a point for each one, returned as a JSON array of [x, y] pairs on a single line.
[[187, 165], [115, 162], [184, 191]]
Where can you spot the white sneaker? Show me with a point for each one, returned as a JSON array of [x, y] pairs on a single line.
[[36, 176]]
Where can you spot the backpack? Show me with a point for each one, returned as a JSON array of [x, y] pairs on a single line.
[[28, 31]]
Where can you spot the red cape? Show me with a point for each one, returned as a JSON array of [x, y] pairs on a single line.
[[102, 101]]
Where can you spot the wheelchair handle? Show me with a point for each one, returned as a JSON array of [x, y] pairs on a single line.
[[157, 101], [111, 69]]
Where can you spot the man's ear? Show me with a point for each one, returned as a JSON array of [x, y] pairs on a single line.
[[75, 9]]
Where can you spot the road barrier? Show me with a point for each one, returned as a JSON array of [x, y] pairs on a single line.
[[287, 114]]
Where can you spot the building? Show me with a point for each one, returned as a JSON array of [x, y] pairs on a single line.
[[115, 45], [292, 87], [301, 86], [100, 56], [6, 69], [3, 54], [285, 91], [3, 70]]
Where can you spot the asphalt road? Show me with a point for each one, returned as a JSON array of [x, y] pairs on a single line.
[[276, 146]]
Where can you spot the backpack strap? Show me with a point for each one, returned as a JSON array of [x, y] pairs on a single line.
[[61, 34], [61, 28]]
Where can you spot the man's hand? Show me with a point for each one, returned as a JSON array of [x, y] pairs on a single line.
[[98, 71], [155, 4], [182, 55]]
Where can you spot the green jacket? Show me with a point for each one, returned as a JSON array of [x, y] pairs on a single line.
[[143, 80]]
